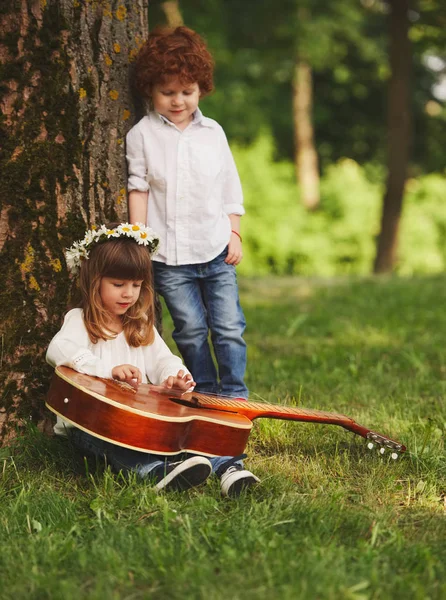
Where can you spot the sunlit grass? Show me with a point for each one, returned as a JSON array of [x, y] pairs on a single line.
[[330, 519]]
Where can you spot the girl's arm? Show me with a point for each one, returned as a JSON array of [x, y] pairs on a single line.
[[70, 347], [160, 363]]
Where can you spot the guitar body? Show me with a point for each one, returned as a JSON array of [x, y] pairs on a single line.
[[152, 419], [146, 420]]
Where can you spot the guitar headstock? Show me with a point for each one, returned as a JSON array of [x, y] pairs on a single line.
[[375, 440]]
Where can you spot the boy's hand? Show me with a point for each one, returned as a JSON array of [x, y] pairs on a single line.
[[127, 373], [182, 381], [235, 253]]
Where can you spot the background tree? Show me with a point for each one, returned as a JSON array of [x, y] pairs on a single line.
[[306, 160], [172, 12], [399, 123], [65, 95]]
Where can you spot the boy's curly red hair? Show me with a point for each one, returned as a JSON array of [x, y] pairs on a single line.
[[174, 52]]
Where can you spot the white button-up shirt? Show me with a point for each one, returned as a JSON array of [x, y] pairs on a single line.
[[192, 182]]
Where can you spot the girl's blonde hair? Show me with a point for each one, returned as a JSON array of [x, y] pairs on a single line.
[[119, 258]]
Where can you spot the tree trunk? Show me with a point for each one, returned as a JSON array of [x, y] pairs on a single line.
[[172, 12], [306, 160], [399, 135], [65, 95]]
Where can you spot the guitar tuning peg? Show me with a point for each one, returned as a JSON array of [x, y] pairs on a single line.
[[370, 446], [382, 450], [394, 455]]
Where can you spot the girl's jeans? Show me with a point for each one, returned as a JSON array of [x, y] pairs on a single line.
[[202, 298], [131, 461]]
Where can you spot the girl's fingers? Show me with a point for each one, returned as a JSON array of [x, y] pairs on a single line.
[[184, 376], [137, 375], [182, 381], [169, 382], [128, 373]]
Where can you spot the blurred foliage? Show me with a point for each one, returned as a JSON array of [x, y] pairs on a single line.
[[281, 237], [256, 43]]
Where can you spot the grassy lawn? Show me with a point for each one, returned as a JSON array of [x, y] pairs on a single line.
[[330, 520]]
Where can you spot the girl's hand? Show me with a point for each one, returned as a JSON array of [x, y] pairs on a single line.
[[127, 373], [235, 253], [182, 381]]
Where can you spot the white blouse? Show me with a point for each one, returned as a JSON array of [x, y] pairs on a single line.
[[72, 347], [192, 182]]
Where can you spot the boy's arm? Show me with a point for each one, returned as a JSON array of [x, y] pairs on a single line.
[[138, 206], [137, 173], [235, 253], [232, 204]]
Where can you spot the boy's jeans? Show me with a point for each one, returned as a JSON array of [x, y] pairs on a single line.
[[203, 298], [131, 461]]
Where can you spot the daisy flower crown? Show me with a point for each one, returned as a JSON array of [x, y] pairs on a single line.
[[80, 251]]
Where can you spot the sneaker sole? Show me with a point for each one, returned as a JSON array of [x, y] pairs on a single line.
[[190, 477], [241, 485]]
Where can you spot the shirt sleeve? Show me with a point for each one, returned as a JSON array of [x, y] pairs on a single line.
[[70, 348], [160, 362], [232, 188], [136, 161]]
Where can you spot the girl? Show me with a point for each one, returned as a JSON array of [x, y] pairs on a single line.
[[183, 182], [112, 335]]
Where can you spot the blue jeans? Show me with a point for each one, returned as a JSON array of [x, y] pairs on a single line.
[[202, 298], [131, 461]]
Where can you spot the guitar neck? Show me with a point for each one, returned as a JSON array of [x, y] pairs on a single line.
[[256, 410]]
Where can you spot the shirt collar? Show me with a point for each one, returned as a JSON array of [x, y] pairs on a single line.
[[199, 119]]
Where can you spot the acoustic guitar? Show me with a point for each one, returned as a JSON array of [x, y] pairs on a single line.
[[152, 419]]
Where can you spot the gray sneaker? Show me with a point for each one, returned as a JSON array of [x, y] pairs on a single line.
[[235, 480], [182, 475]]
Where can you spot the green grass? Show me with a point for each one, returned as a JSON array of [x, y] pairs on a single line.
[[330, 520]]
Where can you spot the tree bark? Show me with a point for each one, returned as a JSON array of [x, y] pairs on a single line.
[[306, 159], [399, 135], [67, 105]]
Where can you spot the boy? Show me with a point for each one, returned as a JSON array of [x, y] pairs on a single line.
[[184, 183]]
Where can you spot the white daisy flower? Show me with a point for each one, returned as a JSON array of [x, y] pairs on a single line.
[[125, 229], [102, 230], [79, 251]]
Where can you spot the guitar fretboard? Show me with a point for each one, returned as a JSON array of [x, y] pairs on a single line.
[[262, 408]]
